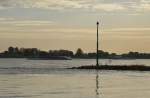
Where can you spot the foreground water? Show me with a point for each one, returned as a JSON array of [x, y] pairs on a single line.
[[21, 78]]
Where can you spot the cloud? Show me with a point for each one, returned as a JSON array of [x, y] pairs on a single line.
[[24, 22], [88, 5], [28, 22], [61, 4], [139, 5], [145, 5], [129, 29], [12, 25], [5, 19], [109, 7], [45, 4]]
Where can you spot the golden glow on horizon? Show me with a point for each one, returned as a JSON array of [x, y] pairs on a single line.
[[71, 24], [120, 41]]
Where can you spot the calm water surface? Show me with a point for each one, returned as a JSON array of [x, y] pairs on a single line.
[[21, 78]]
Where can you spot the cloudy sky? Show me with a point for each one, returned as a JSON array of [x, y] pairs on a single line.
[[69, 24]]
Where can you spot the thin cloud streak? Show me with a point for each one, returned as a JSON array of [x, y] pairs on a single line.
[[129, 29], [24, 22], [109, 7]]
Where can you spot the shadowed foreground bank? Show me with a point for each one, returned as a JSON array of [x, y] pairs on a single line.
[[116, 67]]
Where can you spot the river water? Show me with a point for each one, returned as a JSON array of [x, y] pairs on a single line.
[[21, 78]]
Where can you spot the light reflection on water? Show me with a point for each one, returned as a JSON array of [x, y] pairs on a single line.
[[97, 84], [42, 79], [46, 86]]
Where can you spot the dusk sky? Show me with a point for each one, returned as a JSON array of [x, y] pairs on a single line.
[[70, 24]]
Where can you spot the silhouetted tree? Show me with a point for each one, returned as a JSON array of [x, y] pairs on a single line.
[[11, 50], [34, 52], [60, 53], [79, 53]]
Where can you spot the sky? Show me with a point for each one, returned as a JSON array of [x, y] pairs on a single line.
[[71, 24]]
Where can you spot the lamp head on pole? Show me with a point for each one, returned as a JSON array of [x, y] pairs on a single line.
[[97, 23]]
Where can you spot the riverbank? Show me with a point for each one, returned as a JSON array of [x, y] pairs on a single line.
[[115, 67]]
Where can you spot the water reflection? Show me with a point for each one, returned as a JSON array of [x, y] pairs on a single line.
[[97, 85]]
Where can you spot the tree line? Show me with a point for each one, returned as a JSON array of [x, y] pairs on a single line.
[[15, 52]]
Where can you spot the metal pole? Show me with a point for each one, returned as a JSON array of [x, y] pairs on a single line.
[[97, 64]]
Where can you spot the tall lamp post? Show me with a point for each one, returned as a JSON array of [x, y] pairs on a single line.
[[97, 64]]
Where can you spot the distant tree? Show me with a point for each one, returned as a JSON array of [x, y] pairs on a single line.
[[43, 54], [60, 53], [11, 50], [79, 52], [92, 55], [16, 50], [35, 51], [65, 53], [103, 54], [113, 54]]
